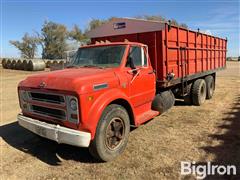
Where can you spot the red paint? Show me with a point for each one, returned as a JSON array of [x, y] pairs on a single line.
[[203, 53]]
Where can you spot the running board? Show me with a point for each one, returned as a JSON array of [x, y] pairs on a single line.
[[146, 116]]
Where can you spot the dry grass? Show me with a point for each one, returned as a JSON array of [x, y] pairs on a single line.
[[155, 150]]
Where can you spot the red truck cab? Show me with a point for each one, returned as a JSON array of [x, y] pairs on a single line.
[[102, 80]]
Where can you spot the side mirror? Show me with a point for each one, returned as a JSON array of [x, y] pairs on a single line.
[[130, 62]]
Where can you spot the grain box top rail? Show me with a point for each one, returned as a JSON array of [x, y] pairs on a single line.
[[123, 26]]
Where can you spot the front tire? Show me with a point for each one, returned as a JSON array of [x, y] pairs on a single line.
[[111, 134]]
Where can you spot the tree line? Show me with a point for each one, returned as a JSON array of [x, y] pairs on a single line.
[[53, 37]]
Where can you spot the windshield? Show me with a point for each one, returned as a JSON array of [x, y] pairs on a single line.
[[101, 56]]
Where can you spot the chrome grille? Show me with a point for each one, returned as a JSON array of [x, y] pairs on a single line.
[[47, 97], [46, 104], [46, 111]]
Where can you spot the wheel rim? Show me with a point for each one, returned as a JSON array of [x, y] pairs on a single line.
[[115, 133]]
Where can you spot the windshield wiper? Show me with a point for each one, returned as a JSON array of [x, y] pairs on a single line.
[[91, 65], [71, 66]]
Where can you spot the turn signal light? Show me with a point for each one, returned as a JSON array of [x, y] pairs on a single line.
[[90, 98]]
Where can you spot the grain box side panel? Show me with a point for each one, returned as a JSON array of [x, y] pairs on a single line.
[[205, 53]]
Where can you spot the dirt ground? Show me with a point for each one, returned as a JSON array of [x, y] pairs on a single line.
[[210, 132]]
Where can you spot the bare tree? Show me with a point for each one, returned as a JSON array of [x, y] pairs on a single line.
[[53, 40], [94, 23], [161, 19], [152, 18], [76, 34], [28, 45], [174, 22]]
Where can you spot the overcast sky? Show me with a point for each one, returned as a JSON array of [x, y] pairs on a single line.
[[219, 17]]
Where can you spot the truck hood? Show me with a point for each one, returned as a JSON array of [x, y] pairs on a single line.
[[80, 80]]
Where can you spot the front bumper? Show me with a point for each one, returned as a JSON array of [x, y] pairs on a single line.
[[57, 133]]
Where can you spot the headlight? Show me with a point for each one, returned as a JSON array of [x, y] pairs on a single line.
[[73, 104], [72, 109], [23, 95]]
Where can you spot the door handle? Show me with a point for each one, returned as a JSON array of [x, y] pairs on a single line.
[[151, 72]]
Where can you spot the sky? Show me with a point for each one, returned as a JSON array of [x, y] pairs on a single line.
[[219, 17]]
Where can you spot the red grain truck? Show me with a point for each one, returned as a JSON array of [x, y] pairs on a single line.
[[131, 72]]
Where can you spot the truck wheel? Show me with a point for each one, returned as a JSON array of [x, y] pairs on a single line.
[[111, 134], [199, 92], [163, 101], [210, 86]]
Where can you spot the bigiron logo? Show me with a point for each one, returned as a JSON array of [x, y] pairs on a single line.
[[208, 169]]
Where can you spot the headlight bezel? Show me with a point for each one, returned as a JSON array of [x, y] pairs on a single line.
[[72, 111], [23, 98], [73, 104], [23, 95]]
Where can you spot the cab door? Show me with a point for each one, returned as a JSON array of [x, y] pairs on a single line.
[[141, 78]]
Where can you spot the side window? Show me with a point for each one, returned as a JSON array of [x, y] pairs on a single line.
[[135, 54], [138, 56]]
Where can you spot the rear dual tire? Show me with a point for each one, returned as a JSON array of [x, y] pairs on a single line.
[[200, 90], [210, 83]]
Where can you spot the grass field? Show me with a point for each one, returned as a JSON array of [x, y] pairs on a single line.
[[210, 132]]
